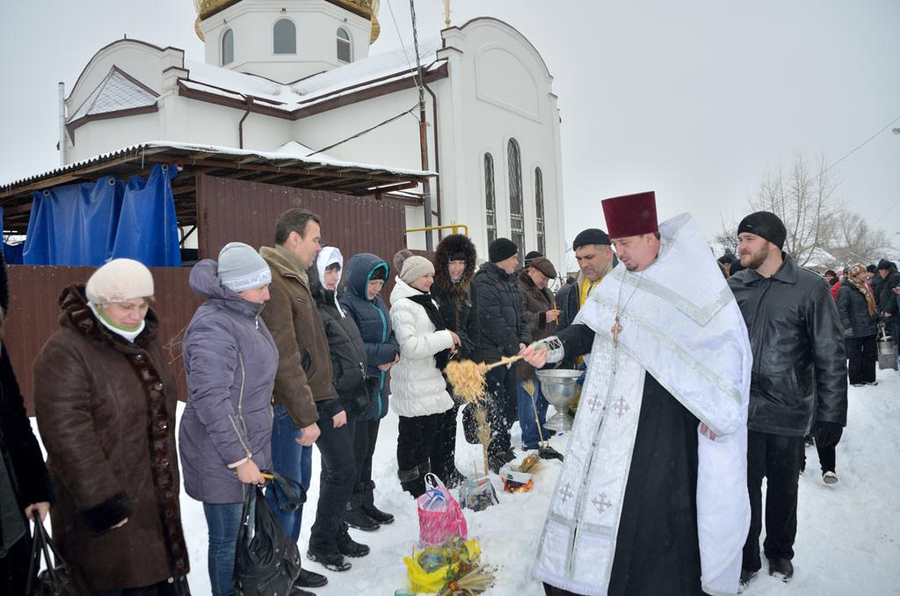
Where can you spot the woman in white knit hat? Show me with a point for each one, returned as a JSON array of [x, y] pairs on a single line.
[[419, 392], [105, 399]]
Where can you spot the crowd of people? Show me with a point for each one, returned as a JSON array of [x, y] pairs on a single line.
[[293, 348]]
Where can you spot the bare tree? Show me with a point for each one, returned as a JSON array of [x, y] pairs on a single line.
[[726, 239], [806, 202], [855, 241]]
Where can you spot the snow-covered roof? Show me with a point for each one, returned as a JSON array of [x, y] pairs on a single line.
[[118, 91], [292, 151], [372, 71]]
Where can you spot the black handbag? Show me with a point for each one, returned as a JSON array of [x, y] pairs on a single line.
[[61, 579], [266, 560]]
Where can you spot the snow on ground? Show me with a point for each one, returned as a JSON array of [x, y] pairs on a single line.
[[848, 539]]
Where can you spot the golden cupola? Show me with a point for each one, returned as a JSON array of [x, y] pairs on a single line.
[[364, 8]]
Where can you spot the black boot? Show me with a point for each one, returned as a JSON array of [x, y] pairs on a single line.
[[781, 569], [333, 561], [349, 547], [357, 517], [368, 505], [310, 579], [454, 478]]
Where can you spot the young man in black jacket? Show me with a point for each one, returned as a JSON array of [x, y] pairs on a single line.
[[799, 377], [501, 332]]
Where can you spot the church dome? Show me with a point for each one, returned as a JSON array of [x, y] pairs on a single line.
[[364, 8]]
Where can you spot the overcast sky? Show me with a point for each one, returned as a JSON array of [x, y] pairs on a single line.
[[692, 99]]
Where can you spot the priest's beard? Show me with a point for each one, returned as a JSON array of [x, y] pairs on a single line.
[[754, 260]]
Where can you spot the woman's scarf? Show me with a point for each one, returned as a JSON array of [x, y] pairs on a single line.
[[852, 276]]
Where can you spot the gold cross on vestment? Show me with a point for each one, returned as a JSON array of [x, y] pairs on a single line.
[[616, 329]]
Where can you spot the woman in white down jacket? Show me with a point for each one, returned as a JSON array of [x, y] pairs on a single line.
[[418, 390]]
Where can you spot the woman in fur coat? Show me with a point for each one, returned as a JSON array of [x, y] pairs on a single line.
[[455, 260], [419, 391], [105, 397]]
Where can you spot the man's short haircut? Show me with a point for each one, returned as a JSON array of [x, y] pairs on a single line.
[[293, 220]]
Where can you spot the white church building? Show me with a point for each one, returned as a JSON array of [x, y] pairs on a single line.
[[296, 77]]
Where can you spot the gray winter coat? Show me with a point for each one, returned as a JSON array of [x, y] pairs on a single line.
[[230, 360]]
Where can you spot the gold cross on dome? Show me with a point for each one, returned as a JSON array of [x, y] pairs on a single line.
[[616, 329]]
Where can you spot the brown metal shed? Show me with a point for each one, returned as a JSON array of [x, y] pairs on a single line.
[[222, 195]]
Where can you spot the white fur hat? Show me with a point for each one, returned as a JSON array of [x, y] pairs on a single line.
[[119, 280]]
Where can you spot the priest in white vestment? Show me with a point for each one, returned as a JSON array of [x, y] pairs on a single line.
[[652, 497]]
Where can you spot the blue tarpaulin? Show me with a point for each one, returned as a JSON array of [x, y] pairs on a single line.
[[91, 223]]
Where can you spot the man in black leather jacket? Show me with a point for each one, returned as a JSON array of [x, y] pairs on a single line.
[[799, 381]]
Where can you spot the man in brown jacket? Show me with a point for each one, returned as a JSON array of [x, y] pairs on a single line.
[[304, 378], [541, 316]]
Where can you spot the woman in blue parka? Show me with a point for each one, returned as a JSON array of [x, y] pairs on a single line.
[[364, 278]]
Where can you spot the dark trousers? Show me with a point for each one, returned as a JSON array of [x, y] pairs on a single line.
[[827, 457], [337, 481], [443, 453], [862, 353], [414, 443], [14, 566], [502, 394], [778, 459], [365, 434]]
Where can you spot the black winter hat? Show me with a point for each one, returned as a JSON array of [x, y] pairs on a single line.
[[532, 255], [501, 249], [872, 268], [591, 236], [885, 264], [765, 225]]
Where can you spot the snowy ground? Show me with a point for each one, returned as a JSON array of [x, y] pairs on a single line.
[[848, 539]]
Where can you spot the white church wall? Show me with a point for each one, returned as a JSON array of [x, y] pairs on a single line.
[[103, 136], [486, 116], [252, 23]]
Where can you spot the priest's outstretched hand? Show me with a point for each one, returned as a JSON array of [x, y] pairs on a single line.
[[535, 354]]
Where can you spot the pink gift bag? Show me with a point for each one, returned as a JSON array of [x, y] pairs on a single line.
[[440, 516]]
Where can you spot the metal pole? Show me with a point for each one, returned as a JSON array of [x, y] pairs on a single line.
[[423, 130], [62, 123]]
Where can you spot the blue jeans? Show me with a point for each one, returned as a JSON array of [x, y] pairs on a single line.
[[223, 521], [529, 428], [290, 459]]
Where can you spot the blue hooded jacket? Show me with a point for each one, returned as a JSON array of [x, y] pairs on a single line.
[[374, 325]]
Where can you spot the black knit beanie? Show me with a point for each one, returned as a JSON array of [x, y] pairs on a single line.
[[765, 225], [501, 249]]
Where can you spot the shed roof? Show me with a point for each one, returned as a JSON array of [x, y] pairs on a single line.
[[284, 168]]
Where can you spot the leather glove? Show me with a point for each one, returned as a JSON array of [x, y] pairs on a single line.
[[827, 434]]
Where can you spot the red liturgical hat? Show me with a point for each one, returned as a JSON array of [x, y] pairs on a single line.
[[631, 215]]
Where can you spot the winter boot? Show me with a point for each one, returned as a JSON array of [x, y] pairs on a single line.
[[356, 516], [368, 505], [310, 579], [454, 478], [332, 561], [829, 478], [297, 591], [781, 569], [349, 547], [747, 576]]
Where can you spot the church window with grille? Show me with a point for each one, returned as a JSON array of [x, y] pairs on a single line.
[[344, 47], [539, 211], [284, 36], [516, 202], [490, 199], [227, 47]]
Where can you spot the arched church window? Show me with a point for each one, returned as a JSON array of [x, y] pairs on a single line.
[[539, 211], [284, 35], [344, 47], [227, 47], [490, 198], [516, 202]]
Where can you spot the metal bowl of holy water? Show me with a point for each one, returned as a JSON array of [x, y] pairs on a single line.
[[559, 386]]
